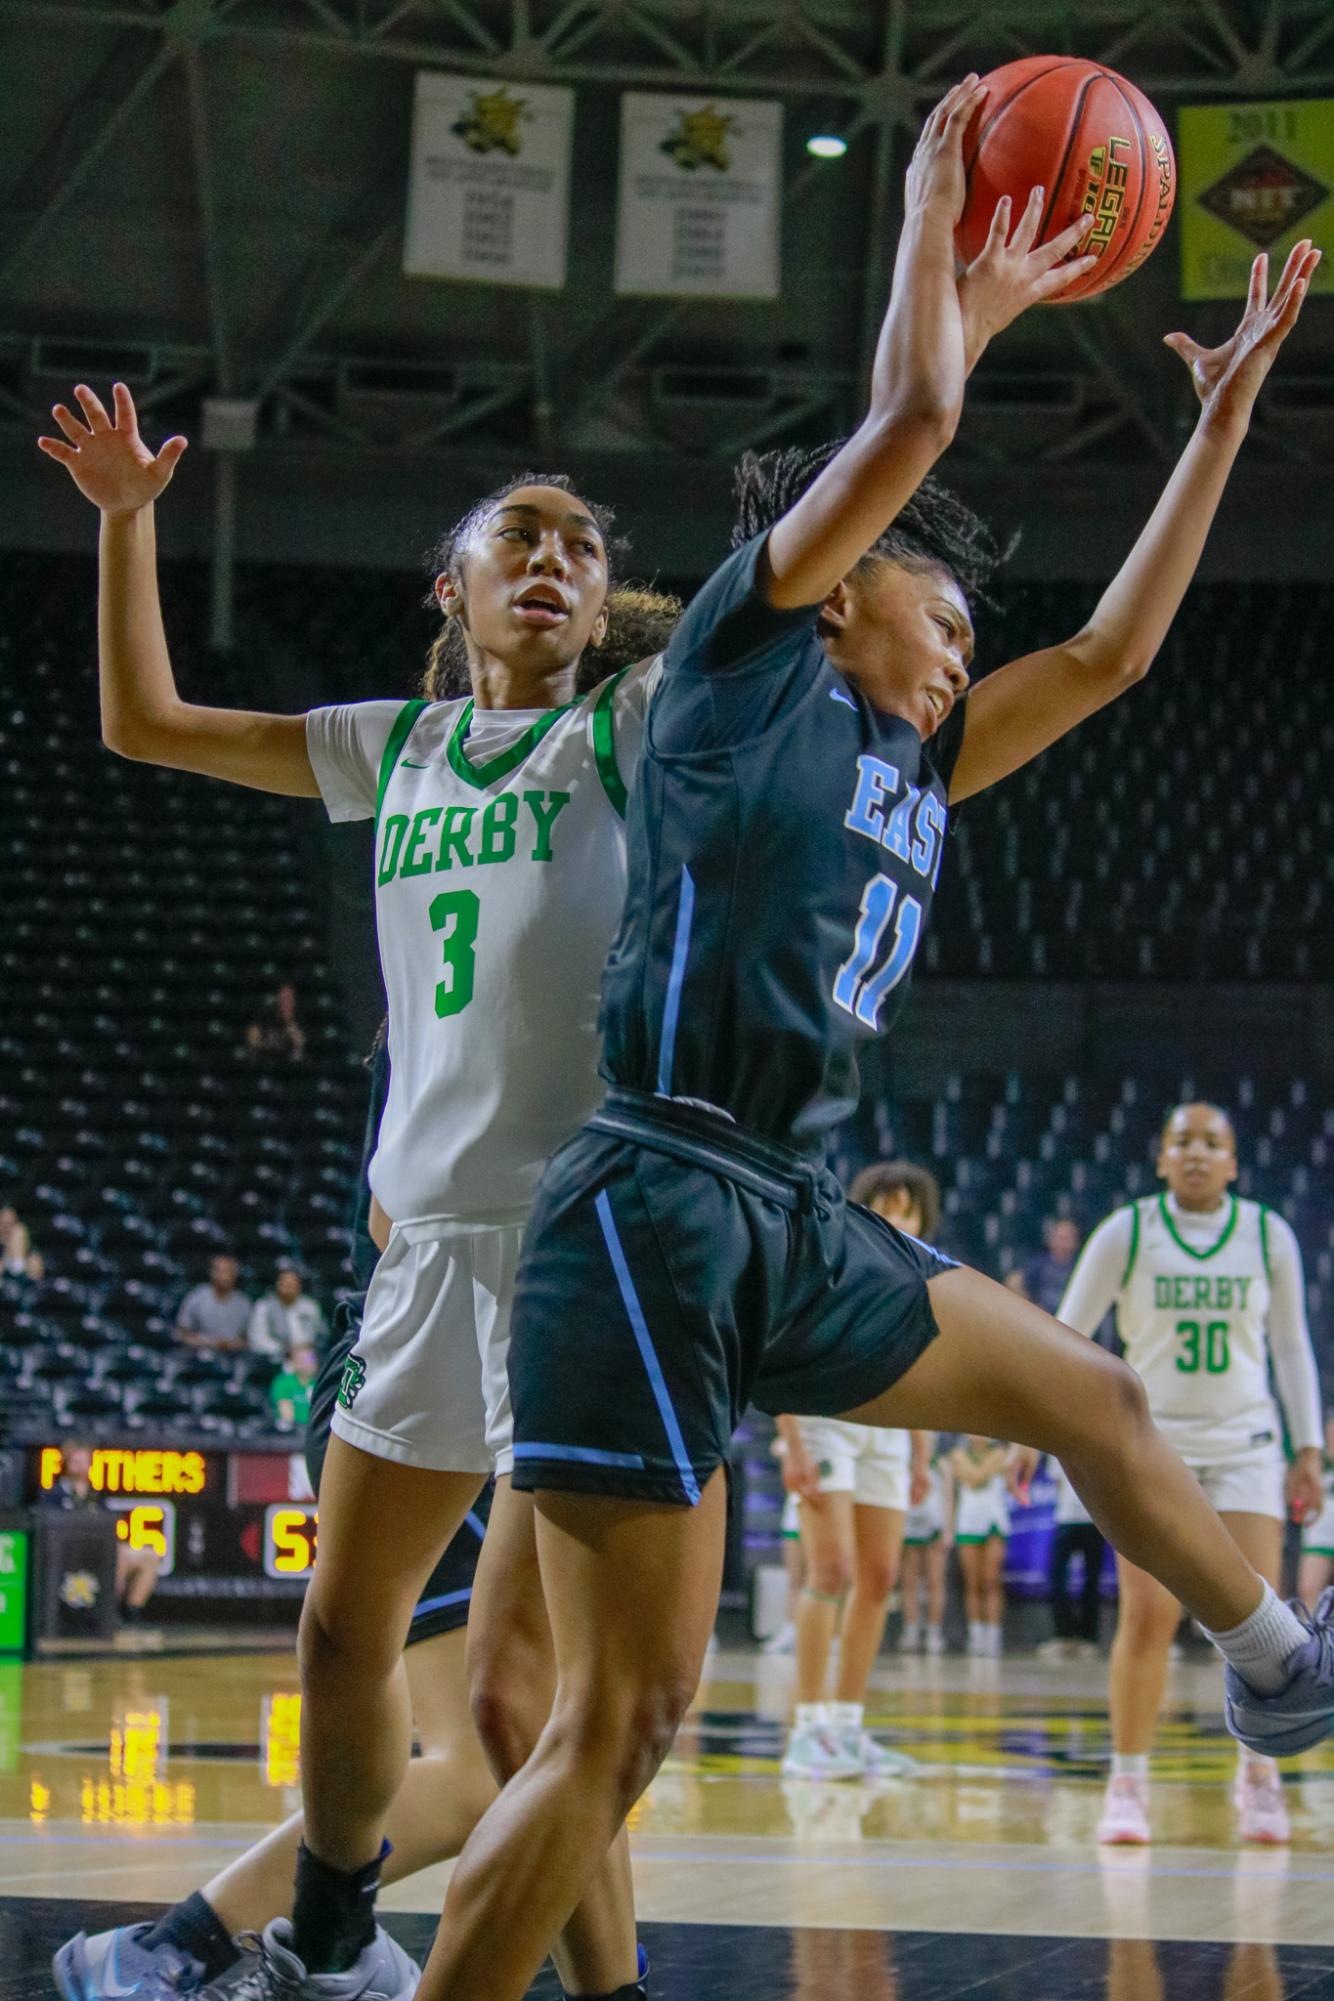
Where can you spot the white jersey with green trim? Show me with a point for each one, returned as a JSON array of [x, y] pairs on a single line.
[[1203, 1303], [499, 879]]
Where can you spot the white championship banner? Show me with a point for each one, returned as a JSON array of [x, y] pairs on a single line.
[[700, 197], [488, 191]]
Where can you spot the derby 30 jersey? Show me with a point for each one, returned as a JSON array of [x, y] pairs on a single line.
[[499, 878], [784, 843], [1203, 1302]]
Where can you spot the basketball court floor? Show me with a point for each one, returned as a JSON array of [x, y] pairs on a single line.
[[128, 1780]]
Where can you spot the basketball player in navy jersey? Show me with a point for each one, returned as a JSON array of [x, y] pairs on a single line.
[[689, 1252]]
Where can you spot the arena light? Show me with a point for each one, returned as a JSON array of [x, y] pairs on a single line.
[[826, 146]]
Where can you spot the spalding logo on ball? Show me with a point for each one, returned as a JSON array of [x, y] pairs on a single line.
[[1093, 141]]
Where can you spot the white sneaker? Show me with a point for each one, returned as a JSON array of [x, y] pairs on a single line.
[[935, 1640], [382, 1973], [874, 1761], [784, 1641], [814, 1752], [1054, 1650], [910, 1639], [1125, 1814], [1262, 1811]]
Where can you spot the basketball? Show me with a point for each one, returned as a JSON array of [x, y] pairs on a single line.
[[1093, 141]]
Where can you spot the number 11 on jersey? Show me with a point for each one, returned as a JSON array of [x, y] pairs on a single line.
[[857, 989]]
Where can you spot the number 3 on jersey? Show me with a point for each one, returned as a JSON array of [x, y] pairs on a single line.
[[857, 988], [455, 914]]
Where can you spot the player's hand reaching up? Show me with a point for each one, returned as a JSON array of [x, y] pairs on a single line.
[[1013, 271], [109, 462], [1227, 379], [936, 177]]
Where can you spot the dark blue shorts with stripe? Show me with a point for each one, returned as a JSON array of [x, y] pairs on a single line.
[[677, 1268]]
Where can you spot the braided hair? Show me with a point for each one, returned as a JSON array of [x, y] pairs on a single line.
[[639, 621], [932, 530]]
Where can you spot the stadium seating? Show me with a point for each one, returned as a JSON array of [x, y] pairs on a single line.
[[1183, 835]]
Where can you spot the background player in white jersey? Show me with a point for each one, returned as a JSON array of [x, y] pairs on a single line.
[[978, 1467], [928, 1538], [499, 857], [1208, 1293], [854, 1485], [1317, 1565]]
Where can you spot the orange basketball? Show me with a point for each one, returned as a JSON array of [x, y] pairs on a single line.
[[1092, 140]]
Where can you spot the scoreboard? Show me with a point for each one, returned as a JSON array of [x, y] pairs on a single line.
[[227, 1527]]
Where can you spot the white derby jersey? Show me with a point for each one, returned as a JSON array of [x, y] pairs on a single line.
[[499, 879], [1192, 1310]]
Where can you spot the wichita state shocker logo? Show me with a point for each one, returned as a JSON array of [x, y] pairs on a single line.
[[492, 122], [700, 140]]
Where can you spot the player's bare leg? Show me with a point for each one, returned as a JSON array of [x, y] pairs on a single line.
[[382, 1529], [444, 1793], [1146, 1620], [632, 1591], [879, 1546], [512, 1673], [828, 1542], [1002, 1368]]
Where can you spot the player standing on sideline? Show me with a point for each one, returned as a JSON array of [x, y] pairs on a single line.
[[927, 1541], [981, 1532], [688, 1251], [500, 870], [854, 1485], [1208, 1291], [1317, 1565]]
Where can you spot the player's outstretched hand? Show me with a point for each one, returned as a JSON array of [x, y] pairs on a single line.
[[1306, 1485], [109, 462], [1227, 379], [1012, 271], [936, 177]]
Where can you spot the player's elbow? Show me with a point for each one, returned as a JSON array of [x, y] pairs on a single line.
[[1116, 663], [925, 415]]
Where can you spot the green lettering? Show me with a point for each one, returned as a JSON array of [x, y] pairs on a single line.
[[394, 829], [414, 862], [1243, 1286], [1181, 1295], [497, 843], [1162, 1291], [454, 834], [544, 806], [1223, 1294], [1201, 1284]]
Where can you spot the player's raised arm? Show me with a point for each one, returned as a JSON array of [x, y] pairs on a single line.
[[916, 384], [143, 717], [1020, 709]]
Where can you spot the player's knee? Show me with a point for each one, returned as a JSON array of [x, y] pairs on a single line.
[[830, 1573], [503, 1722], [876, 1576], [330, 1647]]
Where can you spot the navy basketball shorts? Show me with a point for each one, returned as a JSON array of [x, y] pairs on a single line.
[[447, 1593], [677, 1268]]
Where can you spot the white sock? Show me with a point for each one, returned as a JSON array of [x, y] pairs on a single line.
[[976, 1636], [846, 1715], [910, 1636], [808, 1714], [1130, 1765], [1260, 1646]]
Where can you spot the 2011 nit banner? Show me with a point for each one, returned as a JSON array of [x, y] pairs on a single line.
[[1253, 177], [489, 186], [700, 197]]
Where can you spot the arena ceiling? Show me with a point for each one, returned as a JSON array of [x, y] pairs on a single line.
[[207, 197]]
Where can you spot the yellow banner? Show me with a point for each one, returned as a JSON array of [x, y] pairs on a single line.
[[1253, 177]]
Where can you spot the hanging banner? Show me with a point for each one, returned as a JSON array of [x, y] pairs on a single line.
[[700, 197], [489, 187], [1253, 177]]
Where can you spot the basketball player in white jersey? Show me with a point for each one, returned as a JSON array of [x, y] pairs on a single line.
[[1208, 1293], [500, 872]]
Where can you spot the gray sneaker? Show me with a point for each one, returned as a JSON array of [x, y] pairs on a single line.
[[383, 1973], [1299, 1715], [115, 1963]]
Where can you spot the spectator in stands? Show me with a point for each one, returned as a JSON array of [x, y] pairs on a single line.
[[287, 1318], [277, 1037], [1048, 1273], [215, 1315], [136, 1569], [289, 1392], [18, 1259]]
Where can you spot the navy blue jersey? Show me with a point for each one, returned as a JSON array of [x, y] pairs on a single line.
[[784, 842]]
